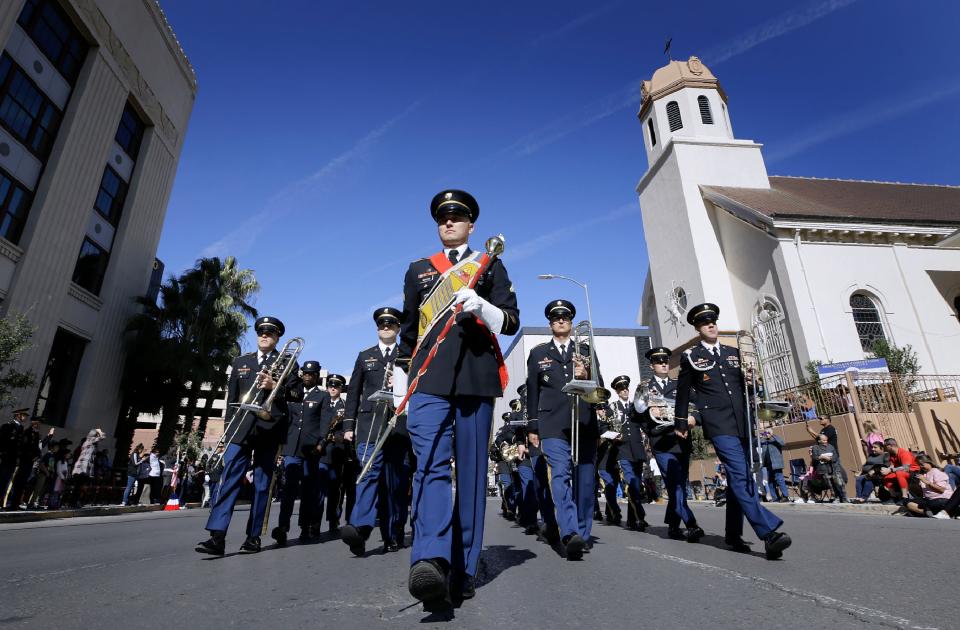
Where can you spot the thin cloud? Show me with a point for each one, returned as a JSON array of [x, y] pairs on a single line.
[[574, 24], [861, 118], [773, 28], [241, 239], [629, 96], [359, 316], [536, 245]]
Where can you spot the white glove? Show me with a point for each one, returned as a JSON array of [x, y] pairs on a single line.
[[640, 405], [481, 309]]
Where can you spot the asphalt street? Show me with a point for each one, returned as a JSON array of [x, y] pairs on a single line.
[[845, 570]]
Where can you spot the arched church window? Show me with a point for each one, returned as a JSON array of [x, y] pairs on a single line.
[[704, 103], [653, 134], [866, 317], [673, 116]]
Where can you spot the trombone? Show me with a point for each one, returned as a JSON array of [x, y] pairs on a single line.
[[280, 371], [589, 389]]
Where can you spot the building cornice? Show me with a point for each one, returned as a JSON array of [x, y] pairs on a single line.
[[9, 250], [82, 295], [692, 141], [160, 18]]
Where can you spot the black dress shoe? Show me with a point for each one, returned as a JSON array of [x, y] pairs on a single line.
[[306, 534], [529, 530], [355, 538], [775, 544], [548, 535], [279, 534], [574, 546], [641, 525], [215, 545], [597, 516], [694, 534], [737, 544], [428, 581], [390, 546], [464, 587], [675, 533], [251, 545]]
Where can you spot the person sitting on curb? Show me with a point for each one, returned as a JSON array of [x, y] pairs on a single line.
[[936, 492], [870, 476], [902, 463]]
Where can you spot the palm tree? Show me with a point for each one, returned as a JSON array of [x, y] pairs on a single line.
[[188, 339]]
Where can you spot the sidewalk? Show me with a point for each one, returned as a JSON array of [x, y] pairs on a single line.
[[28, 516]]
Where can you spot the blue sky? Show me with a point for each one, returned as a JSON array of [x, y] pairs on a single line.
[[322, 130]]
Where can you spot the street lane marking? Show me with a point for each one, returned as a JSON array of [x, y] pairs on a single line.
[[862, 613]]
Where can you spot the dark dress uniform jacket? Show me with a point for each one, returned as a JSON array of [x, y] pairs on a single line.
[[466, 364], [331, 414], [367, 378], [719, 391], [665, 441], [547, 373], [11, 435], [504, 436], [242, 378], [307, 426], [631, 447]]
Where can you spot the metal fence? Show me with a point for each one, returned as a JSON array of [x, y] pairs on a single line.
[[867, 393]]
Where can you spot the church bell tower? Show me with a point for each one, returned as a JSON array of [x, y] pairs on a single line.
[[689, 141]]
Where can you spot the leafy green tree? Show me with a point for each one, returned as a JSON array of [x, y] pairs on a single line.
[[899, 360], [698, 443], [15, 334]]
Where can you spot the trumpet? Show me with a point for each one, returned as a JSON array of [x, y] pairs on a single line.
[[279, 371], [588, 389]]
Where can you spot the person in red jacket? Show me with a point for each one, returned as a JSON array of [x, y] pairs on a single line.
[[902, 463]]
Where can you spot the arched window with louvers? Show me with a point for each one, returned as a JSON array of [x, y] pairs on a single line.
[[705, 115], [673, 116]]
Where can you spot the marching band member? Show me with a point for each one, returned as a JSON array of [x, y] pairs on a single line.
[[301, 460], [525, 483], [365, 420], [671, 453], [252, 436], [450, 412], [713, 371], [336, 453], [550, 366], [632, 453], [504, 469], [608, 457]]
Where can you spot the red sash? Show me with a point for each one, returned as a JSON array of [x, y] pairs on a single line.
[[442, 264]]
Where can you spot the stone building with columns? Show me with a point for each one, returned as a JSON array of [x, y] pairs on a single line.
[[95, 97], [819, 269]]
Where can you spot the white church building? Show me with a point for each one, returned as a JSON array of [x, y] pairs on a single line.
[[818, 268]]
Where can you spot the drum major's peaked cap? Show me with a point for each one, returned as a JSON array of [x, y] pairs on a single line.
[[311, 366], [454, 201], [557, 307], [702, 313], [386, 312], [269, 323], [660, 352]]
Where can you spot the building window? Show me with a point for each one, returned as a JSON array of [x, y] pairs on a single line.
[[130, 132], [91, 266], [25, 111], [653, 134], [866, 317], [54, 34], [110, 198], [673, 116], [59, 377], [705, 114], [14, 204]]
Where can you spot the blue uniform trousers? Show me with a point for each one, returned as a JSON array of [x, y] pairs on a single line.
[[674, 470], [527, 498], [572, 487], [235, 460], [541, 483], [444, 528], [509, 491], [632, 472], [741, 495], [301, 479], [396, 459], [372, 492], [611, 481]]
